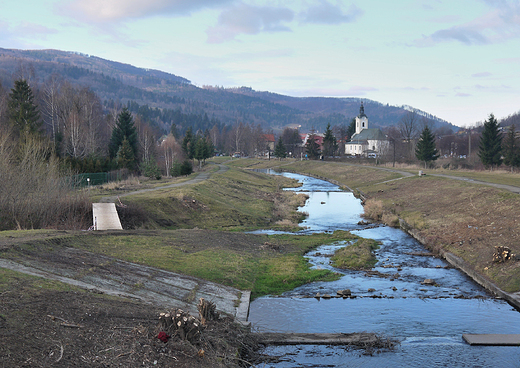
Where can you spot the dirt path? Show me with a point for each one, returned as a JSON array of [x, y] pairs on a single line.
[[199, 178], [405, 174], [129, 280]]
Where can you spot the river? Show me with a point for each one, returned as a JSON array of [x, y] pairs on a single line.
[[427, 320]]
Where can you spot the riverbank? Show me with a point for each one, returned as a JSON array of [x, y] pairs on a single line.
[[448, 216]]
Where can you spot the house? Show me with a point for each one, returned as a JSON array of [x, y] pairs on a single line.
[[368, 142], [318, 138], [268, 141]]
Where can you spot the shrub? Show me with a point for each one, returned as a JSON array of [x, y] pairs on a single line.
[[373, 209], [150, 169]]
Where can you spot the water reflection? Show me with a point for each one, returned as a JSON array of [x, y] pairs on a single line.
[[428, 319]]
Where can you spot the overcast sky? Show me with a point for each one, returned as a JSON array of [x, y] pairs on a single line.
[[456, 59]]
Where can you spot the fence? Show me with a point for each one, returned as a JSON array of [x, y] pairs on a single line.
[[86, 179]]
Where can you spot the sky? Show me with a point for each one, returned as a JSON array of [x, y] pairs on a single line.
[[456, 59]]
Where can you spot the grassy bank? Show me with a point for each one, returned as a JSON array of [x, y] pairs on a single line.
[[461, 217], [261, 263], [233, 200]]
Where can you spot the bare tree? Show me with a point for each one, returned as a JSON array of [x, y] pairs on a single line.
[[409, 128], [50, 106], [171, 151], [147, 140]]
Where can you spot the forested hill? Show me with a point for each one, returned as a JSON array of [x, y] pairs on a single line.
[[118, 83]]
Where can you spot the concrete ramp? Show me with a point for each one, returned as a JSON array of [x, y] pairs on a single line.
[[105, 217]]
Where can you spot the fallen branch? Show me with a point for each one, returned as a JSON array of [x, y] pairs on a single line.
[[61, 352]]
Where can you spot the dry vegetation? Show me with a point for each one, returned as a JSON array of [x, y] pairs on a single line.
[[33, 193]]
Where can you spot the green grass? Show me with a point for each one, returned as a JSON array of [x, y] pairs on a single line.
[[234, 200], [261, 263], [356, 256], [30, 284], [285, 273]]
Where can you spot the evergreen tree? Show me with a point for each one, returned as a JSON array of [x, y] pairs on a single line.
[[125, 155], [124, 129], [511, 148], [351, 129], [209, 149], [201, 150], [174, 131], [279, 149], [490, 149], [23, 113], [186, 168], [425, 149], [312, 147], [330, 145], [189, 143]]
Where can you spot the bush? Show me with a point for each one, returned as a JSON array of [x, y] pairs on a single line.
[[176, 169], [33, 194], [151, 170], [186, 168]]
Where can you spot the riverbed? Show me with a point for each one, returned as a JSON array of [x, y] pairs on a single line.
[[393, 301]]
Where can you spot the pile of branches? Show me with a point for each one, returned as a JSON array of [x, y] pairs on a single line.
[[502, 254], [181, 323], [207, 311]]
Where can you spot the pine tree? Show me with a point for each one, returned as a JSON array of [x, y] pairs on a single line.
[[189, 143], [330, 145], [125, 155], [511, 148], [425, 149], [279, 149], [23, 113], [124, 129], [351, 129], [490, 149], [312, 147]]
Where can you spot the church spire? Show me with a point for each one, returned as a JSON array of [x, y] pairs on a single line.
[[361, 110]]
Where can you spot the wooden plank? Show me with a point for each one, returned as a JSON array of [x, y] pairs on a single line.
[[492, 339], [272, 338]]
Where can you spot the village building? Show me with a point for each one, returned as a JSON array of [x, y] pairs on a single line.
[[367, 142]]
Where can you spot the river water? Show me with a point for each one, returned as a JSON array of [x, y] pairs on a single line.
[[427, 320]]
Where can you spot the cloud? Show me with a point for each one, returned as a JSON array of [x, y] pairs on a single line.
[[481, 75], [500, 23], [33, 30], [326, 13], [100, 11], [247, 19], [461, 94], [359, 90]]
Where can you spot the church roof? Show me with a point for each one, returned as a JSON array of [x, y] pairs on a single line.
[[374, 134]]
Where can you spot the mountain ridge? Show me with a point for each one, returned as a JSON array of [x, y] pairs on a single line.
[[116, 81]]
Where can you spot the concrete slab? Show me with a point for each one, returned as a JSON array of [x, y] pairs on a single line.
[[105, 217], [116, 277], [492, 339]]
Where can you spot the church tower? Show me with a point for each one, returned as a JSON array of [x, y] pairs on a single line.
[[361, 120]]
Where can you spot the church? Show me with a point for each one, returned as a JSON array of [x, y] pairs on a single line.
[[367, 142]]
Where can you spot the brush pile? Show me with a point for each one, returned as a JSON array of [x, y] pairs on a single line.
[[502, 254]]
